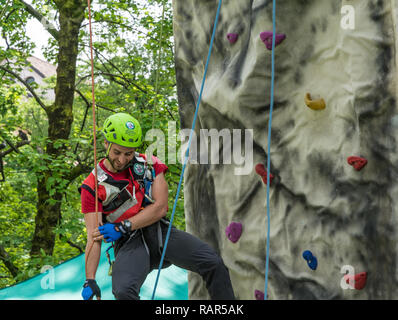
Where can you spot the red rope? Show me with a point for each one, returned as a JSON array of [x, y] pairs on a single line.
[[93, 108], [94, 128]]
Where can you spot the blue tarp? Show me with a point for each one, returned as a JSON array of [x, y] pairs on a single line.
[[65, 281]]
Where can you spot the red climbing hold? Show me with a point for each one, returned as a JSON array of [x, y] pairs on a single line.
[[232, 37], [357, 162], [234, 231], [260, 169], [359, 280], [266, 37]]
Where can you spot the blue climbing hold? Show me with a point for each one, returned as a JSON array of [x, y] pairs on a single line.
[[311, 259]]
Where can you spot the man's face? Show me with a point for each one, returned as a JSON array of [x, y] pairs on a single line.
[[119, 156]]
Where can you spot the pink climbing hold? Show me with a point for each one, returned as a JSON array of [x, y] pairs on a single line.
[[261, 171], [232, 37], [234, 231], [357, 162], [259, 295], [359, 280], [266, 37]]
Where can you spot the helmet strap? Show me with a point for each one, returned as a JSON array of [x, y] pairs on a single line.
[[107, 155], [109, 149]]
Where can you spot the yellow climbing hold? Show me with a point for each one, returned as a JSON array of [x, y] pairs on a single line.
[[318, 104]]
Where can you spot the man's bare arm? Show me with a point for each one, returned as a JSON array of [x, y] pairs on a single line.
[[93, 250]]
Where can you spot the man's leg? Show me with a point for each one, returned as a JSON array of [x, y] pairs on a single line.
[[188, 252], [130, 269]]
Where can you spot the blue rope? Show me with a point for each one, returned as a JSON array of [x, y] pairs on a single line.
[[269, 145], [187, 152]]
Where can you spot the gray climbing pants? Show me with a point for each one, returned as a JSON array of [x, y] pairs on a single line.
[[139, 255]]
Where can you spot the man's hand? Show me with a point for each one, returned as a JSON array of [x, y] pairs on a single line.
[[97, 236], [91, 289], [110, 232]]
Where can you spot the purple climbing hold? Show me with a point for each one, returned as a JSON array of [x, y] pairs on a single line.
[[266, 37], [259, 295], [232, 37], [234, 231]]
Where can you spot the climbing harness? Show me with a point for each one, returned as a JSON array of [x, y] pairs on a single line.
[[119, 197], [187, 151], [148, 188], [109, 259]]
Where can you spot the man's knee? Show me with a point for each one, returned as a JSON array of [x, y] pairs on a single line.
[[212, 263], [126, 293], [220, 265], [218, 282], [217, 261]]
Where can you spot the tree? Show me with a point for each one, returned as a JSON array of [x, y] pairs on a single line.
[[133, 73]]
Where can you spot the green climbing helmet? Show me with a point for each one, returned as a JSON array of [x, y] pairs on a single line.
[[123, 129]]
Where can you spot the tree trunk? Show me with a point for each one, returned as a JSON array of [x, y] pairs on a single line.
[[60, 118]]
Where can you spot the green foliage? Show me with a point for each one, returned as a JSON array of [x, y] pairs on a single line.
[[134, 72], [16, 224]]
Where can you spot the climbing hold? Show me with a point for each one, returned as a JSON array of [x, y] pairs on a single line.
[[357, 162], [266, 37], [359, 280], [232, 37], [261, 171], [259, 295], [318, 104], [234, 231], [311, 259]]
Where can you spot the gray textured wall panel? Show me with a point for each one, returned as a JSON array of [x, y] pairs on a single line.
[[318, 202]]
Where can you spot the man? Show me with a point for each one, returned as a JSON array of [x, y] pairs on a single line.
[[133, 202]]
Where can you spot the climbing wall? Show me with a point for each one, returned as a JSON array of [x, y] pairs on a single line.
[[334, 154]]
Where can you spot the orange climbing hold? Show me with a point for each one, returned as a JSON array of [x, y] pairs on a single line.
[[318, 104], [357, 162], [359, 280], [261, 171]]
